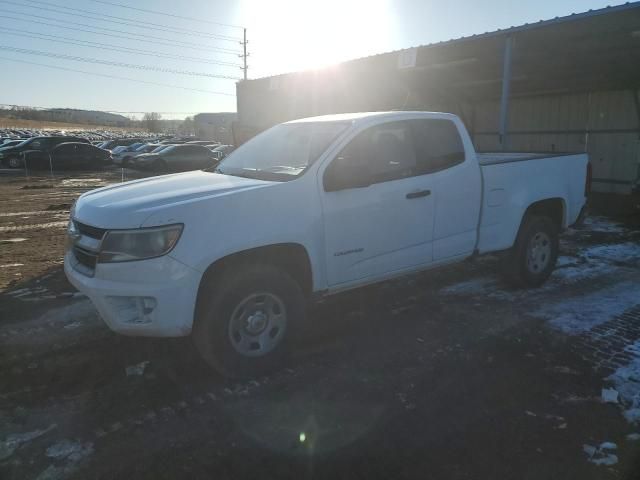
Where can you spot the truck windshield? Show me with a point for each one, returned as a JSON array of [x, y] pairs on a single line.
[[283, 152]]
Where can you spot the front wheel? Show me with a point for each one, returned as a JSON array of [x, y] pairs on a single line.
[[534, 254], [14, 162], [246, 326]]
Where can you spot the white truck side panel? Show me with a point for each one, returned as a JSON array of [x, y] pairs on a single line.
[[510, 187]]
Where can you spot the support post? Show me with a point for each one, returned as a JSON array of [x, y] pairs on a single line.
[[506, 89]]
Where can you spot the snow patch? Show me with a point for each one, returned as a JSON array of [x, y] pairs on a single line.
[[13, 240], [603, 225], [626, 380], [469, 287], [621, 252], [13, 441], [577, 315], [138, 369], [601, 455], [73, 451]]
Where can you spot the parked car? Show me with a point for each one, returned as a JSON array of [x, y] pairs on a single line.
[[222, 151], [11, 143], [122, 154], [201, 142], [34, 149], [307, 209], [119, 142], [70, 156], [76, 156], [175, 158]]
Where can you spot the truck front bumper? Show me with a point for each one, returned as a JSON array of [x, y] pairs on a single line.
[[153, 298]]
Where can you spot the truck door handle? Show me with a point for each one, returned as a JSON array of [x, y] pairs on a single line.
[[418, 194]]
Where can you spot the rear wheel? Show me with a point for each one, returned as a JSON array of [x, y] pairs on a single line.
[[245, 327], [534, 254]]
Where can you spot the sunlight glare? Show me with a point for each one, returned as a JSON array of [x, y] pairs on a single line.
[[297, 35]]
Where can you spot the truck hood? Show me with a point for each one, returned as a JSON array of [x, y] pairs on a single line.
[[129, 204]]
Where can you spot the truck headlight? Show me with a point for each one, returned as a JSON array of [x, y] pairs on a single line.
[[139, 244]]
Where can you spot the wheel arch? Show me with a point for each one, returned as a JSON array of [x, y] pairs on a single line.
[[555, 208], [291, 257]]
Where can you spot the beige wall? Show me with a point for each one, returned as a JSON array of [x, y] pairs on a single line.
[[560, 123]]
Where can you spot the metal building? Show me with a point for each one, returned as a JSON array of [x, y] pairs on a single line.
[[566, 84]]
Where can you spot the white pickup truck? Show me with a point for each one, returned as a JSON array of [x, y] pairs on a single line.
[[305, 209]]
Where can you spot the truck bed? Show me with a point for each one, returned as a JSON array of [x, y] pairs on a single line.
[[513, 181]]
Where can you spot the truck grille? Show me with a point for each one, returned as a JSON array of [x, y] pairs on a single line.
[[89, 231]]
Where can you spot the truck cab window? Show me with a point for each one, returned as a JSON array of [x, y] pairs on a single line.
[[437, 144], [381, 154]]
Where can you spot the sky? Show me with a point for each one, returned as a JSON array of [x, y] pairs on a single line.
[[176, 61]]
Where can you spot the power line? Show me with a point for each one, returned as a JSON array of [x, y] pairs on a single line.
[[117, 77], [128, 22], [188, 44], [193, 19], [107, 46], [208, 49], [74, 58]]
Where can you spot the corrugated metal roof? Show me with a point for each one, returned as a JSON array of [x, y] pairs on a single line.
[[505, 31]]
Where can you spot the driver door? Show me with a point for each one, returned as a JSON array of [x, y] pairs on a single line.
[[379, 219]]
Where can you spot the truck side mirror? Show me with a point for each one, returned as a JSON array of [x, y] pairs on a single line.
[[343, 174]]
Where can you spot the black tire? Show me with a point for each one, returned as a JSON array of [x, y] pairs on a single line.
[[217, 335], [14, 162], [534, 255], [160, 166]]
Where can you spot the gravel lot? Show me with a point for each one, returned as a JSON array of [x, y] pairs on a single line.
[[446, 375]]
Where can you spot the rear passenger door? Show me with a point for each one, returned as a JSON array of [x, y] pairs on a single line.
[[456, 185], [63, 156]]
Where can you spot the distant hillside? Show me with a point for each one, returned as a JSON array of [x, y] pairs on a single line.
[[66, 115], [88, 116]]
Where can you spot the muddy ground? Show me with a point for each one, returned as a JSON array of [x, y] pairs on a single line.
[[447, 375]]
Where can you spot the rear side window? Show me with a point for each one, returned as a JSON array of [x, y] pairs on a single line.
[[437, 144]]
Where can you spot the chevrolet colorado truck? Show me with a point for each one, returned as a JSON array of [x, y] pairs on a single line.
[[233, 254]]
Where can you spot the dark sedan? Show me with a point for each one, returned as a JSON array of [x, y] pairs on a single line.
[[36, 149], [72, 156], [176, 158]]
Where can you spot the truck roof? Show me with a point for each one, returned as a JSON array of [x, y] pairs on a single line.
[[368, 115]]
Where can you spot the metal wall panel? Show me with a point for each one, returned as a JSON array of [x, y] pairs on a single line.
[[605, 124]]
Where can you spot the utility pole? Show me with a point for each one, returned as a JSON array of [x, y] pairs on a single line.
[[244, 52]]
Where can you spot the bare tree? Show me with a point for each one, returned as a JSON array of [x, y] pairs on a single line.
[[152, 121], [187, 126]]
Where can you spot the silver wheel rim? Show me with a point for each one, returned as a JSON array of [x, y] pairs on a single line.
[[538, 253], [257, 325]]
